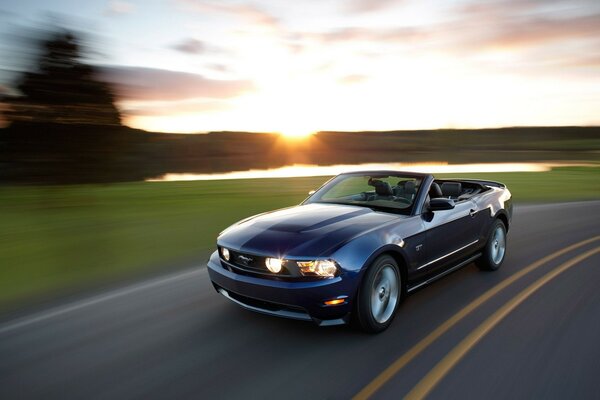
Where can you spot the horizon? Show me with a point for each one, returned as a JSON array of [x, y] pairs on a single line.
[[302, 137], [200, 66]]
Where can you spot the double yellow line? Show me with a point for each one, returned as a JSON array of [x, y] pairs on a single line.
[[445, 365]]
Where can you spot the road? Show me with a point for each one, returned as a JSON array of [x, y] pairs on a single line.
[[174, 337]]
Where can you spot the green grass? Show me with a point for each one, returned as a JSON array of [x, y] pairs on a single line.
[[560, 184], [54, 238]]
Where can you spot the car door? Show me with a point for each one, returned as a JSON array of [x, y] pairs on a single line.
[[450, 234]]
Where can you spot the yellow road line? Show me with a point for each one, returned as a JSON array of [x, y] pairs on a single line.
[[434, 376], [417, 349]]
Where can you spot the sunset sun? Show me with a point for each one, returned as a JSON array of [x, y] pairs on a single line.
[[296, 133]]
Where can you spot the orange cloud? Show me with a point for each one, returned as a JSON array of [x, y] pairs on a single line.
[[534, 31], [172, 108], [370, 5], [351, 79], [249, 13], [477, 27], [139, 83]]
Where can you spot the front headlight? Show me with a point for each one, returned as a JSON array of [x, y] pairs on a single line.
[[225, 253], [274, 264], [326, 268]]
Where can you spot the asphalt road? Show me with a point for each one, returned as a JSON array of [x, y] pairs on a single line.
[[174, 337]]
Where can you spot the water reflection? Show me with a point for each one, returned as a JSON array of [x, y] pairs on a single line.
[[299, 170]]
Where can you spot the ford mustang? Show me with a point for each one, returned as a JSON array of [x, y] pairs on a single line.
[[359, 244]]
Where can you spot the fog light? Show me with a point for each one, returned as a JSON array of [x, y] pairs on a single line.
[[273, 264], [225, 253]]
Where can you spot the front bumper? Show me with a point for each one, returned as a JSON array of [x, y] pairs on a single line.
[[288, 299]]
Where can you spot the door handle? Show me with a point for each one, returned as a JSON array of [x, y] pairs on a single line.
[[472, 212]]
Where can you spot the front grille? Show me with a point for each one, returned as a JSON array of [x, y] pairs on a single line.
[[266, 307], [248, 261], [263, 304]]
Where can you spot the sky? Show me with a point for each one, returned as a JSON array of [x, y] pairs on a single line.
[[297, 67]]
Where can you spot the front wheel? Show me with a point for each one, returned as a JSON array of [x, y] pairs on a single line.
[[495, 249], [379, 295]]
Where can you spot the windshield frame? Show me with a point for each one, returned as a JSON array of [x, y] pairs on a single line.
[[315, 198]]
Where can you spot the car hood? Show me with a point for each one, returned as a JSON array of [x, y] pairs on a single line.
[[308, 230]]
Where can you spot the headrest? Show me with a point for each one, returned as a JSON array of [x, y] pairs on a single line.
[[435, 191], [382, 188], [409, 187], [451, 189]]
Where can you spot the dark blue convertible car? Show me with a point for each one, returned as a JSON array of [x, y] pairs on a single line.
[[359, 244]]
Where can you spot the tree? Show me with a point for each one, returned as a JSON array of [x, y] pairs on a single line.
[[65, 127], [63, 89]]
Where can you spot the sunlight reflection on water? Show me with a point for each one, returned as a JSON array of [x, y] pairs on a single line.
[[300, 170]]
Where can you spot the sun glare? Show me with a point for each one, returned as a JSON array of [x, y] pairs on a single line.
[[296, 133]]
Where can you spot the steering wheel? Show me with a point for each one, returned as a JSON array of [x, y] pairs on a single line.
[[366, 196]]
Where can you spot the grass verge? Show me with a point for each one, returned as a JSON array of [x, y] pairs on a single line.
[[53, 238]]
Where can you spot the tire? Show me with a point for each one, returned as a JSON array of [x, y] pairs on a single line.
[[495, 248], [379, 295]]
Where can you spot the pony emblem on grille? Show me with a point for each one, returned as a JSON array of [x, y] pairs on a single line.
[[245, 260]]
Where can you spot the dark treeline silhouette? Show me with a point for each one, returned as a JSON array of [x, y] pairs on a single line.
[[146, 155], [65, 128], [64, 125], [63, 89]]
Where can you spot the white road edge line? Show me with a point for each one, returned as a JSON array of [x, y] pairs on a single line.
[[77, 305]]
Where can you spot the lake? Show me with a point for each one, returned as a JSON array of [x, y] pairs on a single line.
[[299, 170]]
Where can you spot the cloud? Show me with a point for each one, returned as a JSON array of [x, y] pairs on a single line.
[[537, 31], [352, 79], [360, 6], [139, 83], [7, 14], [245, 12], [377, 35], [478, 27], [523, 7], [584, 61], [118, 7], [218, 67], [190, 46], [526, 23], [171, 108]]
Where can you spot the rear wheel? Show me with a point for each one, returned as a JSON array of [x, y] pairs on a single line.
[[379, 295], [495, 249]]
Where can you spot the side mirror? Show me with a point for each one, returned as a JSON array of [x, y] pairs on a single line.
[[311, 192], [441, 203]]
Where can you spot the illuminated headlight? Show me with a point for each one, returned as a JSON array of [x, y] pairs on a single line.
[[273, 264], [326, 268], [225, 254]]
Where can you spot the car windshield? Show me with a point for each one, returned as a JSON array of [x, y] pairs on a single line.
[[392, 193]]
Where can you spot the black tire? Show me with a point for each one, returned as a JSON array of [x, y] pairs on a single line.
[[494, 252], [375, 286]]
